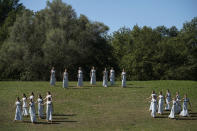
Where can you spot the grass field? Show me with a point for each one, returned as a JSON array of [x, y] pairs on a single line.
[[98, 108]]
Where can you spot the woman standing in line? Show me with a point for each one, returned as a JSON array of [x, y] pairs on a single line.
[[168, 99], [93, 76], [80, 78], [154, 106], [105, 78], [151, 97], [161, 102], [65, 79], [49, 110], [18, 114], [40, 106], [123, 78], [112, 76], [25, 111], [173, 110], [32, 111], [52, 77], [184, 111]]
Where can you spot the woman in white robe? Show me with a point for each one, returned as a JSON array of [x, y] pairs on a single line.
[[93, 76], [52, 77], [65, 79], [32, 111], [18, 114], [105, 78], [151, 97], [25, 106], [80, 78], [123, 78], [168, 99], [112, 76], [184, 111], [161, 102], [173, 109], [40, 106], [49, 110], [154, 107]]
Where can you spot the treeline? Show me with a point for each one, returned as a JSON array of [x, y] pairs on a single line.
[[32, 42]]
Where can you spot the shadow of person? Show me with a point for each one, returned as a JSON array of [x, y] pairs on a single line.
[[64, 114], [64, 121]]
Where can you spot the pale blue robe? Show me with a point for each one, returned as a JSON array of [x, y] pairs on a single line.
[[49, 110], [52, 79], [123, 79], [93, 77], [40, 107], [172, 113], [32, 112], [152, 97], [105, 78], [168, 99], [80, 78], [25, 111], [65, 80], [18, 114], [154, 107], [112, 77], [160, 106], [184, 111]]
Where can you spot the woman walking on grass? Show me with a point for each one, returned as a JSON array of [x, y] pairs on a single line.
[[18, 114]]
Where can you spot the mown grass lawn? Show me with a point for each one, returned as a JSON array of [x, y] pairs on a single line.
[[98, 108]]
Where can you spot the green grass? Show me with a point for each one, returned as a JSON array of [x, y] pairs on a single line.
[[98, 108]]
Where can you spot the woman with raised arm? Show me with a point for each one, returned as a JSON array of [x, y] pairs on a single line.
[[123, 78], [18, 114], [93, 76], [80, 77], [65, 79], [168, 99], [52, 77], [25, 106], [112, 76], [105, 78], [184, 111]]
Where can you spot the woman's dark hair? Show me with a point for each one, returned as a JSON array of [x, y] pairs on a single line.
[[49, 98], [18, 99], [32, 93], [40, 96], [24, 95], [49, 92]]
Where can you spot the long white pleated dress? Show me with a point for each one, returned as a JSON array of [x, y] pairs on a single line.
[[152, 97], [32, 112], [161, 102], [80, 78], [18, 114], [112, 77], [40, 107], [178, 104], [105, 79], [184, 111], [52, 79], [65, 80], [93, 77], [173, 109], [49, 111], [123, 79], [154, 107], [25, 106], [168, 99]]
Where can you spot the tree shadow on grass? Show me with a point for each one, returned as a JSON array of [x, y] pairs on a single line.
[[134, 87], [74, 87], [64, 114], [161, 117], [186, 118], [193, 113], [64, 121]]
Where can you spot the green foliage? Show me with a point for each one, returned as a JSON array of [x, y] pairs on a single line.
[[32, 42]]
